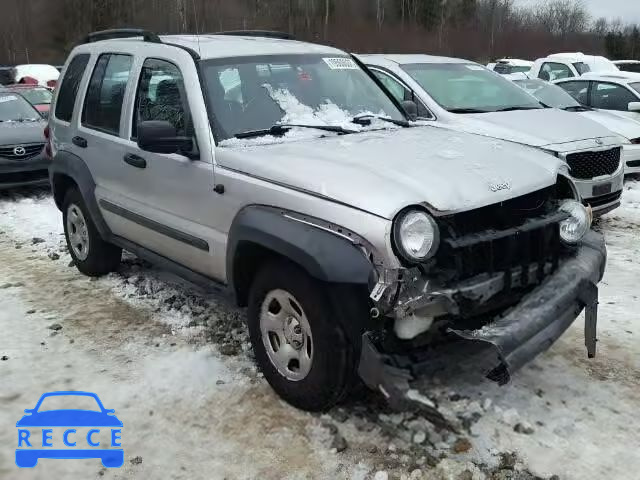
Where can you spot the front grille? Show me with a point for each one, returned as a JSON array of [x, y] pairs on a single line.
[[499, 216], [586, 165], [532, 250], [28, 151]]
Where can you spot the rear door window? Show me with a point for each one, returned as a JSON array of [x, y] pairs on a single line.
[[68, 90], [105, 94], [609, 96]]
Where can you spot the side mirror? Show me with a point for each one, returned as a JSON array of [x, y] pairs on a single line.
[[411, 109], [634, 107], [159, 136]]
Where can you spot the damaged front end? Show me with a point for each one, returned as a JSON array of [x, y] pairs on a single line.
[[503, 276]]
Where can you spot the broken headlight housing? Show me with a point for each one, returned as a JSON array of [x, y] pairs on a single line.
[[575, 227], [416, 236]]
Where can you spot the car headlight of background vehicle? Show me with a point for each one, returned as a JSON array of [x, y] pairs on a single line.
[[416, 236], [575, 227]]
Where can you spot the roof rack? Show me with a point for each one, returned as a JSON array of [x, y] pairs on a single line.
[[258, 33], [122, 33]]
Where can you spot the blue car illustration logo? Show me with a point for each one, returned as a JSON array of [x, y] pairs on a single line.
[[101, 421]]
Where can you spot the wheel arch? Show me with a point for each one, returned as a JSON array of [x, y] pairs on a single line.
[[259, 234], [70, 171]]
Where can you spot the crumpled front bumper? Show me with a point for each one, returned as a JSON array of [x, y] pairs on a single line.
[[527, 330], [547, 312]]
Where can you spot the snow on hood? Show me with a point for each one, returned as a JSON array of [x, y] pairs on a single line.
[[382, 172], [625, 126], [536, 128], [297, 113], [42, 73]]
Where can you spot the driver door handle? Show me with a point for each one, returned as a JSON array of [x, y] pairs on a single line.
[[135, 160]]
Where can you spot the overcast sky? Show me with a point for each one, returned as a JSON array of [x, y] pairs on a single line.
[[628, 10]]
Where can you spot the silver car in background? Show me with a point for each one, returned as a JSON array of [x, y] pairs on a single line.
[[464, 96]]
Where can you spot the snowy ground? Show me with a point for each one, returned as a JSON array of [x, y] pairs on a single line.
[[175, 364]]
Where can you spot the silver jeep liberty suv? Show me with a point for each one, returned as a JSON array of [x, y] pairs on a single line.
[[285, 171]]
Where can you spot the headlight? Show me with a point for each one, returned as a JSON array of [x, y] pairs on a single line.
[[416, 236], [577, 225]]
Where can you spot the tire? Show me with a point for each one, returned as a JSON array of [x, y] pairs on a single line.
[[91, 254], [333, 366]]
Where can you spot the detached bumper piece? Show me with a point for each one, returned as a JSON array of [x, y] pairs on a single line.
[[546, 313], [527, 330]]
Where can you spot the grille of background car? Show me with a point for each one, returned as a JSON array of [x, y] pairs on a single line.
[[586, 165], [30, 150]]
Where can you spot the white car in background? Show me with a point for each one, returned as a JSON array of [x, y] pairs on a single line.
[[569, 65], [554, 96], [464, 96], [618, 93], [628, 65], [506, 66]]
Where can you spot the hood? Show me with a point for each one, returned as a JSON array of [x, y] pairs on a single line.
[[382, 172], [620, 125], [14, 133], [536, 128]]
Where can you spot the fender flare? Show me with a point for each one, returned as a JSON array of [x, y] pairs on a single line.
[[322, 254], [69, 165]]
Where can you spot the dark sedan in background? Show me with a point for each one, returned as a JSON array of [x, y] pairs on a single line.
[[23, 160]]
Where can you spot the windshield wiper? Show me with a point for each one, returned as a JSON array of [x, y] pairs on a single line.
[[280, 129], [513, 109], [365, 120], [468, 110]]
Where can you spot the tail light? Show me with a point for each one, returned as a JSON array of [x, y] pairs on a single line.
[[47, 145]]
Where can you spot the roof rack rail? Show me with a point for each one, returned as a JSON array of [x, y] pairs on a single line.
[[122, 33], [258, 33]]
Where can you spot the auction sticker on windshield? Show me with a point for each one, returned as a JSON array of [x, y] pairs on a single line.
[[340, 63], [9, 98], [56, 428]]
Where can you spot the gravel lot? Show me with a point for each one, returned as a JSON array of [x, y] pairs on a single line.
[[175, 363]]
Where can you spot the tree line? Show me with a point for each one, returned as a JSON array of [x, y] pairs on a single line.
[[43, 31]]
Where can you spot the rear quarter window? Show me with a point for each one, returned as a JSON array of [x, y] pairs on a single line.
[[68, 90], [105, 93]]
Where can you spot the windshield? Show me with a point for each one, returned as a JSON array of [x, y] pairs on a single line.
[[37, 96], [17, 109], [581, 67], [255, 93], [629, 67], [469, 88], [550, 95]]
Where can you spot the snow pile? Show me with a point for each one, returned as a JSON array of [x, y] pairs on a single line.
[[42, 73]]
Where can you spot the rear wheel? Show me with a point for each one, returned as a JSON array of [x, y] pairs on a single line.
[[91, 254], [298, 342]]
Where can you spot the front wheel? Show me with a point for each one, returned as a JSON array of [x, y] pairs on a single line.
[[91, 254], [298, 342]]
